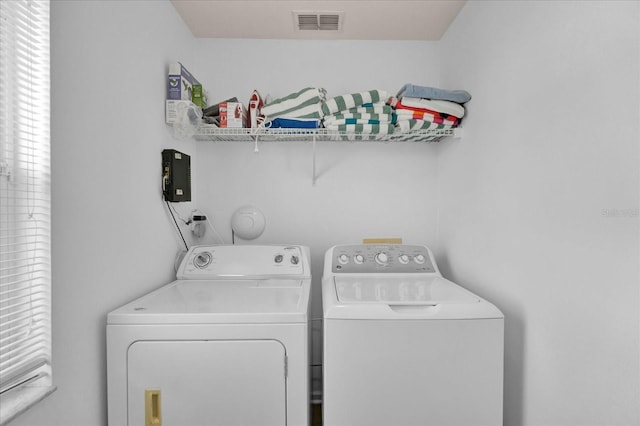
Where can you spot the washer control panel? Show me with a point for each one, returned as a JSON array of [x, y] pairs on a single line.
[[385, 258], [243, 261]]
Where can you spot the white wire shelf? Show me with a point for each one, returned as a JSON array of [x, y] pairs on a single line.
[[218, 134]]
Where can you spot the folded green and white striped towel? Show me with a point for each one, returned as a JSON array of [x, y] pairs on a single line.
[[414, 137], [380, 129], [353, 121], [377, 108], [306, 103], [345, 102], [356, 118], [403, 126]]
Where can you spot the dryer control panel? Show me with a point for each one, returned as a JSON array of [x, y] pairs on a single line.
[[382, 258], [240, 261]]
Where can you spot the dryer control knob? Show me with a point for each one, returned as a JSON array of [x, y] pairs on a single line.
[[382, 258], [343, 259], [359, 259], [202, 260], [404, 259], [295, 260], [419, 259]]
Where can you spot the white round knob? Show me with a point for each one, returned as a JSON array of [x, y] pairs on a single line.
[[382, 258], [202, 260], [404, 259], [359, 259], [419, 259], [343, 259]]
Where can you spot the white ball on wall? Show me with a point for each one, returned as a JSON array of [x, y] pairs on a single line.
[[248, 222]]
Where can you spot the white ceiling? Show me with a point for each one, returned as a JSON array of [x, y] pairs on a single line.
[[363, 19]]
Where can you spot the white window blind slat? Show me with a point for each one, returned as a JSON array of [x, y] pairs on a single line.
[[34, 281], [14, 249], [25, 313], [18, 291], [23, 326], [15, 272], [19, 328], [25, 205], [25, 306], [30, 344], [20, 251], [16, 325], [37, 236], [12, 309]]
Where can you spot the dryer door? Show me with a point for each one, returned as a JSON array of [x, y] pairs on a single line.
[[218, 382]]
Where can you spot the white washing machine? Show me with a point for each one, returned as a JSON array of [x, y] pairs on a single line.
[[224, 344], [403, 346]]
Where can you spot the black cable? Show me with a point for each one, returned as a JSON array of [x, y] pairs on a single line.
[[178, 214], [177, 226], [233, 237]]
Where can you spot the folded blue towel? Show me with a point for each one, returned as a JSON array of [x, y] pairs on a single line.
[[291, 123], [414, 91]]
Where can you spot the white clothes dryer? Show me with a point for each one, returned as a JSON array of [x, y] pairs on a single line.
[[404, 346], [224, 344]]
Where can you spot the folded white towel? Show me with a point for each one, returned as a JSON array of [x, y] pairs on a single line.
[[445, 107]]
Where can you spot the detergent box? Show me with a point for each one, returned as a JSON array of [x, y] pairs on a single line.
[[233, 115], [172, 108], [199, 96], [180, 82]]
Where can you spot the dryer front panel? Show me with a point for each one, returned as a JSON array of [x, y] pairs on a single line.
[[216, 382]]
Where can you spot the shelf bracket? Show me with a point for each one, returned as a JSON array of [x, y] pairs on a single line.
[[255, 144]]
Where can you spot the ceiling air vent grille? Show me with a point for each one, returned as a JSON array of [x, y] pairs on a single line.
[[318, 21]]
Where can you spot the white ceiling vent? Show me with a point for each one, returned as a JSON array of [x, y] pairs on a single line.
[[304, 20]]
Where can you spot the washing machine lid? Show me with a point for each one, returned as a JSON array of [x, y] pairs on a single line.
[[219, 301], [403, 297]]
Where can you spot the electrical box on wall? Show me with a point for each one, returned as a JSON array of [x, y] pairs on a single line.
[[176, 176]]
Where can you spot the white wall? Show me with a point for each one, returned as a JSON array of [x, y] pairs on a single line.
[[539, 201], [572, 347], [112, 238], [362, 190]]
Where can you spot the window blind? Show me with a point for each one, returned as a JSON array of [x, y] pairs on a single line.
[[25, 271]]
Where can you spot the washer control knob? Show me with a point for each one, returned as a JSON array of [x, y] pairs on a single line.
[[202, 260], [278, 258], [295, 260], [404, 259], [382, 258], [419, 259], [343, 259], [359, 259]]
